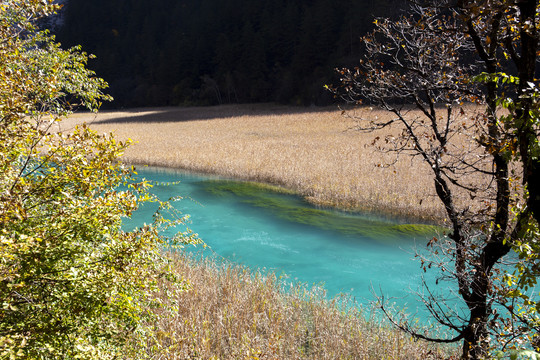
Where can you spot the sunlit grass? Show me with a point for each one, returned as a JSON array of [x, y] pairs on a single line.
[[316, 153], [231, 312]]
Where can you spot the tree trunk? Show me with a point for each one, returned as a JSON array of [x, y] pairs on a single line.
[[474, 346]]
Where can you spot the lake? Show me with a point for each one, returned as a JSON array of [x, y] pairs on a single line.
[[254, 225]]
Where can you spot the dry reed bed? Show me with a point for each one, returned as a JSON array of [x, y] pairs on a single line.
[[316, 153], [232, 313]]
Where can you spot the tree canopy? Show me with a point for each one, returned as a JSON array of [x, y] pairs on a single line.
[[484, 157], [73, 283]]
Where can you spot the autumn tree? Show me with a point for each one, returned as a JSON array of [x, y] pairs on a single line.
[[459, 79], [73, 284]]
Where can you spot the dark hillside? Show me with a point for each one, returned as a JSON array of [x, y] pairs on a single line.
[[194, 52]]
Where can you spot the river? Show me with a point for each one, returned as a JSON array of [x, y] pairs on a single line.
[[253, 225]]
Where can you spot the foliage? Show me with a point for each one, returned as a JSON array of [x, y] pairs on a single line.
[[73, 284], [522, 295], [444, 54], [274, 200], [506, 38]]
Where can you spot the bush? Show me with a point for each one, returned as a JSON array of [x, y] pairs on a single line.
[[73, 284]]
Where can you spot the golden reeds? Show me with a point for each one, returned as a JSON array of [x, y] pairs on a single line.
[[231, 312], [316, 153]]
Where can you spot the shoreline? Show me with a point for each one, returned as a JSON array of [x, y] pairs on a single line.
[[377, 213], [314, 152]]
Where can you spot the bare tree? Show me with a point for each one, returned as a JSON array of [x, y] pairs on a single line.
[[427, 69]]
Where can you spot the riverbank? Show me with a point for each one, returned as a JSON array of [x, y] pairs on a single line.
[[315, 152], [231, 312]]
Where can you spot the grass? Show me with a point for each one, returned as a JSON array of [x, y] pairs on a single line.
[[315, 153], [231, 312]]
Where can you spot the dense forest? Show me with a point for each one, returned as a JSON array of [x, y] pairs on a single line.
[[201, 52]]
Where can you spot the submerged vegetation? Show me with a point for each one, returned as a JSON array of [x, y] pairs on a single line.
[[275, 200]]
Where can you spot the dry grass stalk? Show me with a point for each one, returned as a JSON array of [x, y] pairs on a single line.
[[232, 313], [317, 153]]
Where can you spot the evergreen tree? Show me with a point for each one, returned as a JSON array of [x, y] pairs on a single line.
[[158, 53]]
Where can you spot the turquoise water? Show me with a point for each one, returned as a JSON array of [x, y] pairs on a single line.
[[262, 228]]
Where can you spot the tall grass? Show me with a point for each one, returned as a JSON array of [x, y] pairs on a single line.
[[316, 153], [233, 313]]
